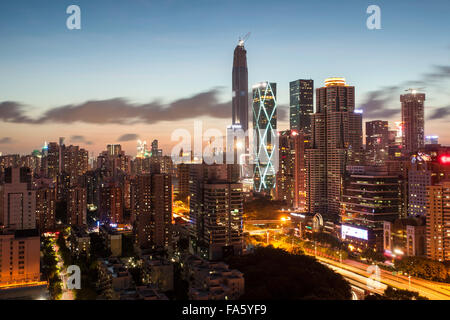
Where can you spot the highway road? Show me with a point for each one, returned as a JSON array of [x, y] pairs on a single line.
[[352, 269]]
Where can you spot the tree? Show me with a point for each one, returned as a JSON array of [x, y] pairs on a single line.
[[276, 274], [372, 255], [423, 268], [396, 294]]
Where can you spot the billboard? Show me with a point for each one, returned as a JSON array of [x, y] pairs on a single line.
[[353, 232]]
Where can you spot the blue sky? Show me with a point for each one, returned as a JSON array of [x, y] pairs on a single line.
[[167, 50]]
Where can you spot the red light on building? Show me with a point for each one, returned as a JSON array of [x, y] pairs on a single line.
[[444, 159]]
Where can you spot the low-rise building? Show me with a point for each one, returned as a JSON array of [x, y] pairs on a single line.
[[404, 237], [143, 293], [80, 241], [113, 276], [212, 280], [160, 272], [19, 258]]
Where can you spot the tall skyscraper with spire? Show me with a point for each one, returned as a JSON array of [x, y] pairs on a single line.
[[240, 87]]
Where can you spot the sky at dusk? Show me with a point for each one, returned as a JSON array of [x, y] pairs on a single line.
[[141, 69]]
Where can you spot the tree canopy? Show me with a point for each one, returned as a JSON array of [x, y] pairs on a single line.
[[278, 275]]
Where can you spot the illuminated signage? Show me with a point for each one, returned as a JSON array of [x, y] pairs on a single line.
[[420, 157], [444, 159], [348, 231]]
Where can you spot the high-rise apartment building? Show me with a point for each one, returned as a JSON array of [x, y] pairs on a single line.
[[50, 160], [265, 136], [336, 142], [216, 207], [438, 222], [301, 94], [19, 199], [45, 205], [151, 207], [413, 121], [74, 162], [183, 180], [76, 206], [425, 169], [291, 182], [377, 142], [111, 204]]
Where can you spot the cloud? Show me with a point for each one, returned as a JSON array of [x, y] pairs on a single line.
[[377, 103], [80, 139], [6, 140], [440, 113], [11, 111], [128, 137], [122, 111]]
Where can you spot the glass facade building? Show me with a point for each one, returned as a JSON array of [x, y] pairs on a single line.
[[265, 136]]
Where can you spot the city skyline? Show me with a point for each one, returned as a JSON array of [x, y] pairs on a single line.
[[150, 79], [129, 169]]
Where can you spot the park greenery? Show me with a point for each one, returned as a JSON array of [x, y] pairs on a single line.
[[396, 294], [424, 268], [288, 276]]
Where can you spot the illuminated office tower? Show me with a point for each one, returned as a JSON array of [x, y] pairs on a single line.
[[413, 120], [18, 199], [291, 182], [377, 142], [265, 136], [301, 105], [371, 195], [438, 222], [336, 142]]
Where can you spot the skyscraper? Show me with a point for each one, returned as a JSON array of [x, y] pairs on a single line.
[[336, 142], [76, 206], [377, 141], [216, 207], [438, 222], [265, 136], [291, 183], [413, 120], [240, 87], [301, 105], [151, 205], [371, 195]]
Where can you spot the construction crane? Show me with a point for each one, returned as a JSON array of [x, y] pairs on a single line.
[[414, 90], [244, 38]]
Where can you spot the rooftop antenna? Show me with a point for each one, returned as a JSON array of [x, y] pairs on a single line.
[[243, 39]]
